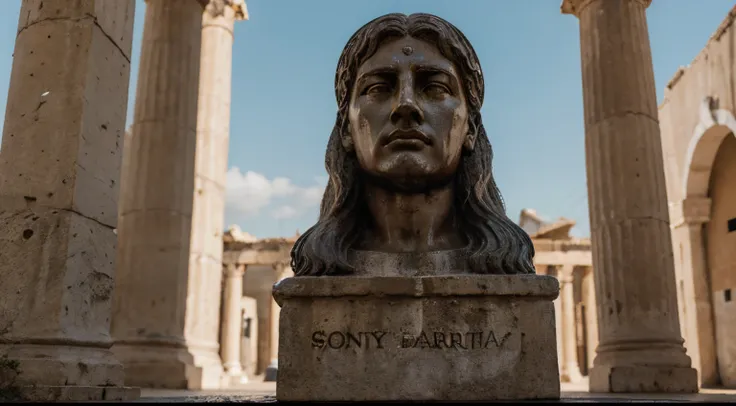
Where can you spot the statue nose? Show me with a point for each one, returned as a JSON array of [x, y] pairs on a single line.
[[407, 112]]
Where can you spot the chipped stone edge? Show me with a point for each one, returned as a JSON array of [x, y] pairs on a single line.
[[538, 286]]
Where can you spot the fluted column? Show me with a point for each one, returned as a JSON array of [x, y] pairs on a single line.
[[570, 368], [232, 319], [641, 347], [692, 215], [59, 179], [210, 167], [150, 317]]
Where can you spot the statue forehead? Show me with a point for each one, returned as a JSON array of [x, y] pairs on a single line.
[[406, 51]]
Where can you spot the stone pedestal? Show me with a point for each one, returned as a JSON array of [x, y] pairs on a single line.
[[441, 338], [641, 347], [59, 173]]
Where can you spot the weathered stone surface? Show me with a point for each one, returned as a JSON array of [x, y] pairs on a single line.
[[161, 336], [59, 179], [469, 337], [76, 393], [643, 379], [632, 246]]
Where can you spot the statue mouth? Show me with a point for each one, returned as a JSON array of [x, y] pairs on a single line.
[[411, 135]]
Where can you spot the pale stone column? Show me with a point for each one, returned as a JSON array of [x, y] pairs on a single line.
[[693, 214], [59, 180], [591, 319], [152, 321], [570, 368], [641, 347], [283, 270], [558, 322], [210, 167], [232, 319]]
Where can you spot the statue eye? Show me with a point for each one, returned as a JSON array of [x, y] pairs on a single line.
[[377, 88], [437, 89]]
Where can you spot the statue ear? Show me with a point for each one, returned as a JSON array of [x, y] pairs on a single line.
[[470, 137], [347, 140]]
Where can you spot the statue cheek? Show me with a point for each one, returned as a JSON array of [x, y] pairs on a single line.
[[460, 126]]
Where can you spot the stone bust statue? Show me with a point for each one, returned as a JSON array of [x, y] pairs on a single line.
[[411, 189]]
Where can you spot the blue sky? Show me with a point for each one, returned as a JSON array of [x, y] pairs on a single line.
[[283, 106]]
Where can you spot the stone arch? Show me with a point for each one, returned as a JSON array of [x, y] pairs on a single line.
[[700, 159], [715, 125]]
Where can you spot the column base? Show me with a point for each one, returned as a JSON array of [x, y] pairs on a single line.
[[169, 368], [68, 394], [571, 373], [33, 372], [59, 366], [643, 379], [272, 371]]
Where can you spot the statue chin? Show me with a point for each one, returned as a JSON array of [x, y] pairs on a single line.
[[410, 176], [409, 182]]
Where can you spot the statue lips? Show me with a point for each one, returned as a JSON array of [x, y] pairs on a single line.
[[408, 137]]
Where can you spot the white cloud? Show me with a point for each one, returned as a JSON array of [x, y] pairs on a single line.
[[284, 212], [249, 193]]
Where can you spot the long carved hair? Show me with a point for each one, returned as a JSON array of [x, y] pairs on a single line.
[[496, 245]]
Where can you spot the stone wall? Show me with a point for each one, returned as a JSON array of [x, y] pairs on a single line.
[[697, 124]]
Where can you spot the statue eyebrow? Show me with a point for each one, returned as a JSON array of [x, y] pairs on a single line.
[[417, 68], [377, 72], [434, 69]]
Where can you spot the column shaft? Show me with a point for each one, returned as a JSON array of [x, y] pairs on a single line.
[[591, 319], [558, 325], [210, 167], [571, 368], [232, 319], [59, 177], [641, 348], [697, 297], [150, 307]]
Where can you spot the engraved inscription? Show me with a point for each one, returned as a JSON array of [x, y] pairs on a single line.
[[472, 340], [445, 340], [340, 339]]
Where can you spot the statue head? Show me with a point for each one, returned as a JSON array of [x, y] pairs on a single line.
[[409, 91]]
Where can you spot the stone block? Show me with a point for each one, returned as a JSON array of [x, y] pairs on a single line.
[[643, 379], [76, 393], [434, 338], [57, 270]]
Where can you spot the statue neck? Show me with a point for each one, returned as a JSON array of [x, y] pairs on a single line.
[[404, 222]]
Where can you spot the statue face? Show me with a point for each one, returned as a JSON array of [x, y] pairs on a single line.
[[408, 116]]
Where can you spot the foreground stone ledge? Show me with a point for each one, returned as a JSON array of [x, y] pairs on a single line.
[[73, 394], [441, 338]]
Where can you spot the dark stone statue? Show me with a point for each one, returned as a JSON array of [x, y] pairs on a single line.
[[411, 189]]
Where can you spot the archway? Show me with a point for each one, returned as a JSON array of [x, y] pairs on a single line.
[[710, 176], [720, 242]]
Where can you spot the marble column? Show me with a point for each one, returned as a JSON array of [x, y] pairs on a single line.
[[554, 271], [152, 320], [591, 320], [641, 347], [282, 271], [210, 167], [570, 369], [232, 320], [59, 184], [694, 213]]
